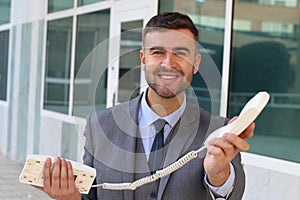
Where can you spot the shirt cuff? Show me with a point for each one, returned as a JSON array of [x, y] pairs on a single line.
[[225, 189]]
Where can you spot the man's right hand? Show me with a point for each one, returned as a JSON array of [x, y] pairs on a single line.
[[59, 181]]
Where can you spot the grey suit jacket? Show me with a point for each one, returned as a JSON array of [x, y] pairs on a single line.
[[111, 148]]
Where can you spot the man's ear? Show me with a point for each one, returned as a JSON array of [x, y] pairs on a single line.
[[142, 58], [197, 62]]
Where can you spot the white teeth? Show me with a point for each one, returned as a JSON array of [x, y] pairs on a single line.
[[168, 77]]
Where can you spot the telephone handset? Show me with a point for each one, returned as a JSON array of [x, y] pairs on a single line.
[[33, 174], [248, 114]]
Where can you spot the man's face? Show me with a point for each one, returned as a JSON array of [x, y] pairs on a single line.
[[169, 59]]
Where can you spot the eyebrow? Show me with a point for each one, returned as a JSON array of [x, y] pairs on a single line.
[[174, 49], [182, 49], [156, 47]]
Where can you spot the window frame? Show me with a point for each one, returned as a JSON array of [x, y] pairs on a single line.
[[7, 27], [74, 13]]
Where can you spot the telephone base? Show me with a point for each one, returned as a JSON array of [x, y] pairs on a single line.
[[32, 173]]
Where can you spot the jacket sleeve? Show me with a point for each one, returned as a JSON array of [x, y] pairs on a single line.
[[239, 183], [88, 157]]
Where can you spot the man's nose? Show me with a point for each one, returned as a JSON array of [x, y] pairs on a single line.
[[168, 60]]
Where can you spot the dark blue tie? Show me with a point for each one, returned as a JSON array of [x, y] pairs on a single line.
[[156, 154]]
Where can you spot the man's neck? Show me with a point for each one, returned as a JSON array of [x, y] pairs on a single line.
[[163, 106]]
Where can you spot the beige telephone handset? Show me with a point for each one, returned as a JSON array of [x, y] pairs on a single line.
[[249, 113]]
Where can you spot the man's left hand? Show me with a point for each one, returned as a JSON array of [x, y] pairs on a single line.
[[221, 151]]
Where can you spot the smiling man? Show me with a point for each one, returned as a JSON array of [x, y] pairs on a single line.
[[121, 141]]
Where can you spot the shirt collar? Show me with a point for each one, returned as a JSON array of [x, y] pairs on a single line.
[[149, 116]]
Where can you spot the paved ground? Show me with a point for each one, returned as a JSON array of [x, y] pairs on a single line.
[[10, 188]]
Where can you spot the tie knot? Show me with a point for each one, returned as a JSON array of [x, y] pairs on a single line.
[[159, 124]]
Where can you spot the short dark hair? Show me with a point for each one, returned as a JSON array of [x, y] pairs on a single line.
[[171, 20]]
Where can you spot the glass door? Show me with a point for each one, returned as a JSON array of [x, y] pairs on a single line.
[[125, 78], [129, 61]]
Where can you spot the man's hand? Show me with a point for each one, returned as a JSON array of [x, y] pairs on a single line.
[[59, 181], [221, 151]]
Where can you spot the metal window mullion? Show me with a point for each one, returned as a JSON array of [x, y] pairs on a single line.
[[226, 57], [72, 67], [44, 60], [4, 27]]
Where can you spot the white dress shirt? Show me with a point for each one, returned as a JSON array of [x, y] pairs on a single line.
[[146, 119]]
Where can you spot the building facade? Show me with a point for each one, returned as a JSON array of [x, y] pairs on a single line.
[[61, 59]]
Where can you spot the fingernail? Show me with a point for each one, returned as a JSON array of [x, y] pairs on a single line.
[[226, 135], [48, 161], [56, 159], [69, 164]]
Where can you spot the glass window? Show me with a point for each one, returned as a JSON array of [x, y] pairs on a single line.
[[58, 62], [209, 17], [85, 2], [4, 11], [91, 62], [129, 65], [58, 5], [4, 40], [266, 56]]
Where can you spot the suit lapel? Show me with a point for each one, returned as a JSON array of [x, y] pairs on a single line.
[[184, 133]]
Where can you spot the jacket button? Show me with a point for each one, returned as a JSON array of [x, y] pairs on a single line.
[[153, 195]]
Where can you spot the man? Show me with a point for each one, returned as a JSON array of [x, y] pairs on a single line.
[[119, 140]]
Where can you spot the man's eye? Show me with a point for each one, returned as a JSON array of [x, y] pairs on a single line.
[[180, 53], [157, 52]]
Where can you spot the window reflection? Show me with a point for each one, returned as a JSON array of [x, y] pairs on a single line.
[[58, 5], [266, 56], [85, 2], [5, 11], [129, 70], [209, 17], [91, 61], [88, 90], [4, 39], [58, 62]]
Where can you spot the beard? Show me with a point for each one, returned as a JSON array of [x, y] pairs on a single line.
[[172, 90]]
